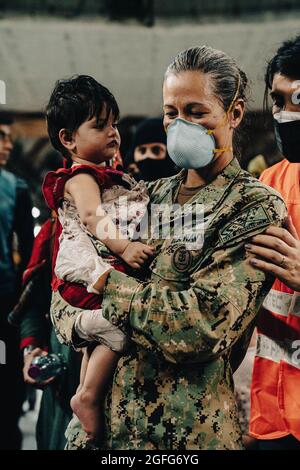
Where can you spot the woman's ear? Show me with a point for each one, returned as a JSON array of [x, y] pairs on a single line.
[[237, 113], [66, 139]]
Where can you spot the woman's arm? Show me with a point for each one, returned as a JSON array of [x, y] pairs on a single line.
[[202, 322], [193, 325]]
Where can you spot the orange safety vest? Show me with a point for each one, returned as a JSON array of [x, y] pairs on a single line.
[[275, 391]]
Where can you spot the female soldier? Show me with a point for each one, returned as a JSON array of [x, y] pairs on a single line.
[[174, 388]]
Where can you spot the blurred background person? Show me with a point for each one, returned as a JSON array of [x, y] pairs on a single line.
[[257, 165], [15, 219], [148, 159], [38, 338]]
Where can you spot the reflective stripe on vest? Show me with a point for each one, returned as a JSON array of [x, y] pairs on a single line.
[[287, 350], [282, 303]]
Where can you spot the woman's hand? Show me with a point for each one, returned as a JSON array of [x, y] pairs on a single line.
[[28, 358], [277, 251]]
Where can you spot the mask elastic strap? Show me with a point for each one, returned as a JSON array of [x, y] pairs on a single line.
[[224, 149], [222, 123]]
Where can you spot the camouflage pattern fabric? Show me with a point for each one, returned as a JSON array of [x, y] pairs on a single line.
[[63, 318], [174, 388], [77, 439]]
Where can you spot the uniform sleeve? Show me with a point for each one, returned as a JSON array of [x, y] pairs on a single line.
[[202, 322]]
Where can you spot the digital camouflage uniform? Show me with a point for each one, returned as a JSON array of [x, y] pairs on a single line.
[[174, 388]]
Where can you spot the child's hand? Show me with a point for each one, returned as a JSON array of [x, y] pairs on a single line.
[[136, 253]]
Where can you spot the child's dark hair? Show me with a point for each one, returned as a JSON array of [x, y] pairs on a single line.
[[286, 61], [74, 101]]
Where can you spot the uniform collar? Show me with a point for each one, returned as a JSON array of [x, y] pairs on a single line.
[[221, 182], [229, 172]]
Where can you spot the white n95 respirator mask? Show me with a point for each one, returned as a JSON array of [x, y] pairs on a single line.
[[189, 144]]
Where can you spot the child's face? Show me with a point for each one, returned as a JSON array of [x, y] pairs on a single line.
[[97, 143]]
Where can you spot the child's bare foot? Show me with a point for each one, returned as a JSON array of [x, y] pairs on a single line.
[[89, 414]]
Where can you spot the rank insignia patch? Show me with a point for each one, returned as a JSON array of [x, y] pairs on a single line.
[[245, 222]]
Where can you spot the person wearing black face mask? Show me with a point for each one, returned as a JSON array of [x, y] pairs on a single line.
[[287, 133], [275, 400], [148, 159]]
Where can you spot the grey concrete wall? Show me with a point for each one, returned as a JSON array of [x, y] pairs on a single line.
[[129, 59]]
